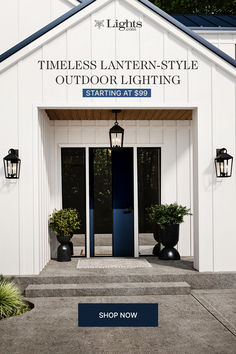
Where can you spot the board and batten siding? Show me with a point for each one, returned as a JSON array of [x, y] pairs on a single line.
[[224, 40], [209, 91]]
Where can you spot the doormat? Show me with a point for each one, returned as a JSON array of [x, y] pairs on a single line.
[[113, 262]]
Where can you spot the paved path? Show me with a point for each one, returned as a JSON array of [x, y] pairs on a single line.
[[202, 323]]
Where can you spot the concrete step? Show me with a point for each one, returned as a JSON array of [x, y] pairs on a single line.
[[107, 289], [225, 280]]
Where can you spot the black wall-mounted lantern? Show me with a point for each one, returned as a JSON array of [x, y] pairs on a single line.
[[12, 164], [223, 163], [116, 133]]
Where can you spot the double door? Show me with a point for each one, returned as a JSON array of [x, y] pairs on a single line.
[[105, 200]]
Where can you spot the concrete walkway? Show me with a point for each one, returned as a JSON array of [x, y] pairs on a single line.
[[203, 322]]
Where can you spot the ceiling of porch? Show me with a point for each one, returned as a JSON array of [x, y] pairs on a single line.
[[126, 114]]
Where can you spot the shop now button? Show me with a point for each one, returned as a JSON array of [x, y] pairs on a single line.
[[118, 315]]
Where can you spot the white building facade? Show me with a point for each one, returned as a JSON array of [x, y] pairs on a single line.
[[177, 93]]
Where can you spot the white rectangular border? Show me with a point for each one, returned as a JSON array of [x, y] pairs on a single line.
[[37, 107]]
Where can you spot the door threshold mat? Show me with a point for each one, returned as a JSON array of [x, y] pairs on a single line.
[[113, 262], [99, 251]]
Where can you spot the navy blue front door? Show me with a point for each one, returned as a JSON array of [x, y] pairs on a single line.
[[120, 220], [123, 202]]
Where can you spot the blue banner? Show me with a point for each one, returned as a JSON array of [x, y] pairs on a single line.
[[112, 93], [118, 315]]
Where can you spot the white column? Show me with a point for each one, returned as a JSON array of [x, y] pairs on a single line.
[[136, 249], [87, 202]]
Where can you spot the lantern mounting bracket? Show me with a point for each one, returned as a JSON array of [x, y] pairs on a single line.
[[116, 111], [14, 152], [219, 151]]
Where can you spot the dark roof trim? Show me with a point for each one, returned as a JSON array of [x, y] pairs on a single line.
[[225, 29], [192, 34], [85, 3], [44, 30]]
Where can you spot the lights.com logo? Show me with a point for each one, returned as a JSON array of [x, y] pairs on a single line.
[[125, 25]]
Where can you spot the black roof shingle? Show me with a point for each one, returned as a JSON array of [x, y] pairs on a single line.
[[207, 21]]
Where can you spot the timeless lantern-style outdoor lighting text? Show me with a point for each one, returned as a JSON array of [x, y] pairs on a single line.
[[12, 164], [116, 133], [223, 163]]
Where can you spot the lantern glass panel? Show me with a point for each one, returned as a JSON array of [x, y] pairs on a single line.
[[12, 169], [116, 139]]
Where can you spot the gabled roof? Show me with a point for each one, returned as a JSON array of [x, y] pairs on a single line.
[[86, 3], [218, 22]]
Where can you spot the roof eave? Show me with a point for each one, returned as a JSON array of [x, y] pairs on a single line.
[[201, 28]]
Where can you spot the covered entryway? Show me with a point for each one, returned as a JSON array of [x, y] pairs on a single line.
[[114, 189]]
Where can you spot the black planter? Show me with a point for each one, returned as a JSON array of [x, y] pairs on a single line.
[[64, 250], [157, 247], [169, 238], [71, 248]]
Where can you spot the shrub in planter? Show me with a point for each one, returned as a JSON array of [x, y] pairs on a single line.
[[64, 223], [11, 300], [168, 217]]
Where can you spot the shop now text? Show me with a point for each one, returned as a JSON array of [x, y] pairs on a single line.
[[118, 314]]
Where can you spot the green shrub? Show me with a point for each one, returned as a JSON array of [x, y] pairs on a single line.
[[164, 214], [64, 222], [11, 300]]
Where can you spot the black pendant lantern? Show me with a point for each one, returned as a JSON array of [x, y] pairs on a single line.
[[116, 133], [12, 164], [223, 163]]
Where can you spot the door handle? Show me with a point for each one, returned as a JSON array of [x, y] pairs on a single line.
[[128, 210]]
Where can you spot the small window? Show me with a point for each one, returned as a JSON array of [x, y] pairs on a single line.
[[74, 192], [149, 193]]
